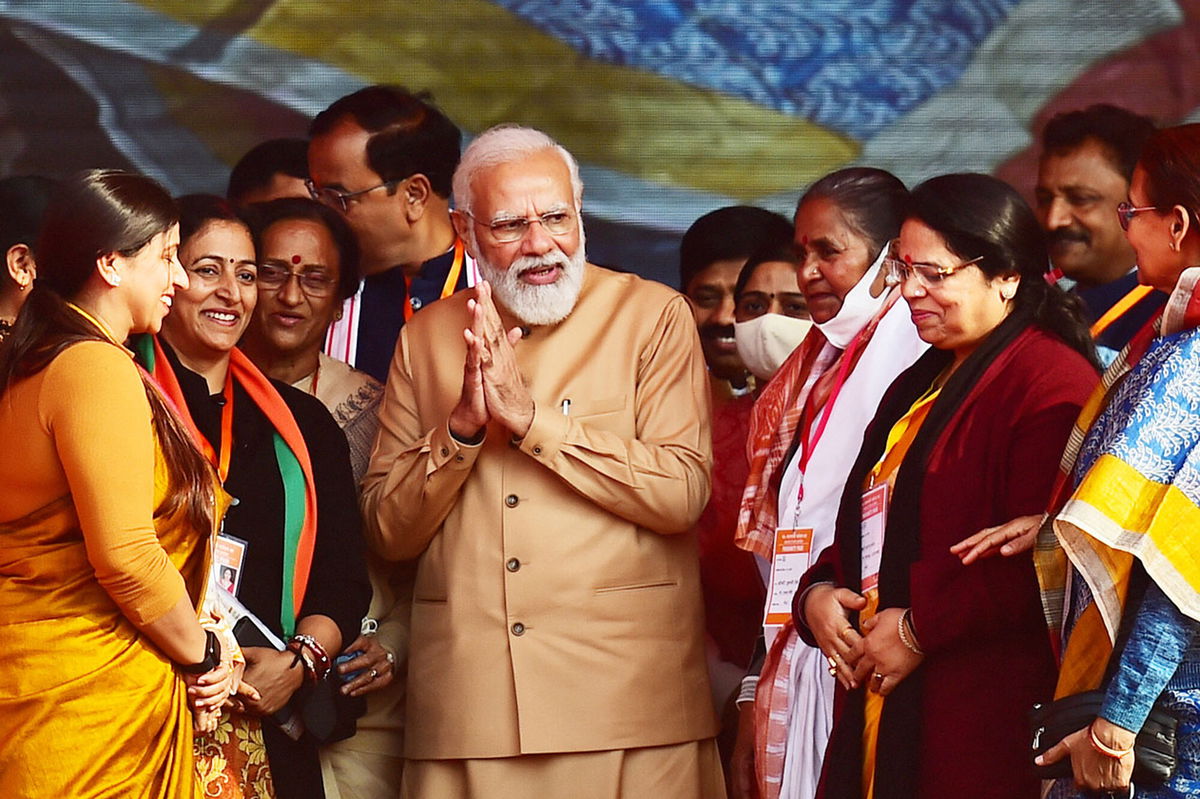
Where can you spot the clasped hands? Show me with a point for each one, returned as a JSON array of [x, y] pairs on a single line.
[[874, 656], [220, 687], [493, 387]]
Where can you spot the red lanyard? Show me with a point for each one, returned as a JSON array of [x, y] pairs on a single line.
[[810, 436], [222, 461]]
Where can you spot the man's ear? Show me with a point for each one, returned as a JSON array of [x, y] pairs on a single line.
[[415, 191], [462, 227]]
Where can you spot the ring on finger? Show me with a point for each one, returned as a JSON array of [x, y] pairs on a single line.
[[391, 657], [832, 661], [372, 674]]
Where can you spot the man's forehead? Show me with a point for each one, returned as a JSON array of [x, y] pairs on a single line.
[[1090, 164], [540, 181], [338, 155]]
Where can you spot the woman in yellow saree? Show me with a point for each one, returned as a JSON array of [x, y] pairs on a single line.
[[106, 508]]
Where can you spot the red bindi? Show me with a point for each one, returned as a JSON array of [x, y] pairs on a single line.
[[295, 259]]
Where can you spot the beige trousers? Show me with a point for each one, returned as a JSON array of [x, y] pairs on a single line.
[[681, 771]]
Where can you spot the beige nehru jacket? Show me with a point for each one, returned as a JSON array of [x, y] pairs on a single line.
[[557, 604]]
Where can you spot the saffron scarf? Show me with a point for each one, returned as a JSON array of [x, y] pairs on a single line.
[[1136, 487], [291, 455]]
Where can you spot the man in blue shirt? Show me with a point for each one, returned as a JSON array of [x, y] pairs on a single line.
[[1086, 164], [384, 158]]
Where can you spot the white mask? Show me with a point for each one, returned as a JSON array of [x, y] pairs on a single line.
[[857, 308], [765, 342]]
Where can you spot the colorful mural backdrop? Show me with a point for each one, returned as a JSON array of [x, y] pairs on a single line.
[[673, 107]]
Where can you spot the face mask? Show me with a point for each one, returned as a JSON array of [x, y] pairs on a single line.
[[765, 342], [857, 308]]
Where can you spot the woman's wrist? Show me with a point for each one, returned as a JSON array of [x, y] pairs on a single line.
[[1111, 740]]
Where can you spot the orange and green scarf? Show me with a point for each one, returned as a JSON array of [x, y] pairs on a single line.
[[291, 454]]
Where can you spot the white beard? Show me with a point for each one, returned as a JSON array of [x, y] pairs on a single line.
[[532, 304]]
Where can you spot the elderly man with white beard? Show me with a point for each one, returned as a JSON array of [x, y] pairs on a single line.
[[544, 447]]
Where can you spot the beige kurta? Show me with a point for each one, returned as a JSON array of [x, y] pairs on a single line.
[[557, 605]]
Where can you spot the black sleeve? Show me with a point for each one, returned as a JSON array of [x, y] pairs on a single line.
[[338, 586]]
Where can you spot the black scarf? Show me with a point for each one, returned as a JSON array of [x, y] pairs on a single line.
[[898, 746]]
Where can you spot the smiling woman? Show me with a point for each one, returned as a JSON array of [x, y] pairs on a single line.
[[280, 454]]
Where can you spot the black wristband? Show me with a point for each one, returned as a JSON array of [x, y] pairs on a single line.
[[212, 656]]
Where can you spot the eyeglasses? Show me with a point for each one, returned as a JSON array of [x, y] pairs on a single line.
[[1126, 212], [314, 284], [556, 223], [340, 200], [928, 275]]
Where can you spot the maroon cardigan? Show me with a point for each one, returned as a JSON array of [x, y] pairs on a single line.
[[964, 731]]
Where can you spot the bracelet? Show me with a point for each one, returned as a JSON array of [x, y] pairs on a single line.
[[322, 664], [1105, 749], [310, 671], [907, 636]]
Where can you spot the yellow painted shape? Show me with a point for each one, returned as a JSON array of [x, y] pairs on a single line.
[[485, 66]]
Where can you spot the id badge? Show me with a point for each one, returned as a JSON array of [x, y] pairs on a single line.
[[792, 549], [874, 521], [229, 553]]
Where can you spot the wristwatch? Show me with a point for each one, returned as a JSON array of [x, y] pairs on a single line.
[[212, 656]]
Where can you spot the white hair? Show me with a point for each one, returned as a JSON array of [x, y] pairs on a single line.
[[504, 144]]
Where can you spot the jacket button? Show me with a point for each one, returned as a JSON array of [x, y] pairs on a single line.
[[511, 500], [445, 452], [537, 449], [513, 565], [518, 628]]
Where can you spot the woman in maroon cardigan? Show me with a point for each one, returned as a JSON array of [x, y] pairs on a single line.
[[938, 663]]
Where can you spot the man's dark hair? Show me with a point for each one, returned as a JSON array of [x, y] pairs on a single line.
[[732, 232], [409, 134], [1122, 133], [263, 162]]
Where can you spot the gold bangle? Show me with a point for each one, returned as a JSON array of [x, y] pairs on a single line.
[[1105, 749], [907, 636]]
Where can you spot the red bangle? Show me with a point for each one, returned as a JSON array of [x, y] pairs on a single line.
[[322, 664]]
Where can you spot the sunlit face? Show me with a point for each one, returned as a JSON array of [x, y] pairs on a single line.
[[710, 292], [1076, 195], [833, 257], [771, 289], [209, 317], [1150, 235], [291, 319], [539, 275], [338, 160], [150, 279], [959, 311]]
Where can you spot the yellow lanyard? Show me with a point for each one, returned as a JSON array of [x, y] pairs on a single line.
[[916, 414], [1118, 309]]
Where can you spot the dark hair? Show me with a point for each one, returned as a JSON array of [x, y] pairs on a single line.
[[727, 233], [1122, 134], [763, 255], [23, 201], [1171, 161], [263, 162], [263, 215], [197, 210], [979, 216], [409, 134], [872, 201], [92, 214]]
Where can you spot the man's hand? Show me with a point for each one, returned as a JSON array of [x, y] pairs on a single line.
[[471, 413], [1010, 538], [506, 396], [743, 782]]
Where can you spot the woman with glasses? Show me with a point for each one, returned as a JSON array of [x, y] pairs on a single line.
[[307, 266], [939, 663], [293, 534], [1134, 576]]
